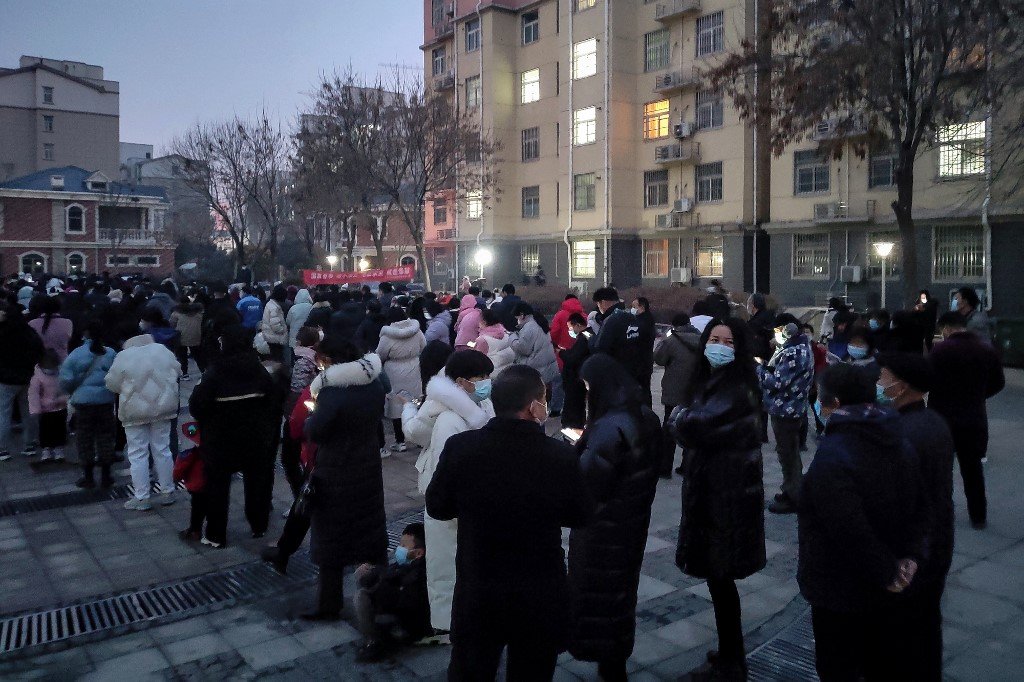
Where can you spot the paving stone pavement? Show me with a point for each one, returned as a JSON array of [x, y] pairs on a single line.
[[61, 556]]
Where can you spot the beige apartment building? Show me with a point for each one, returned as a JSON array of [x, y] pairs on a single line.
[[619, 165]]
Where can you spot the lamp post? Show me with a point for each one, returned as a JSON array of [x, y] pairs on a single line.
[[332, 260], [364, 264], [884, 249], [483, 257]]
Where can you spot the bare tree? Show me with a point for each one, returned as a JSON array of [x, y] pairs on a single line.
[[882, 73]]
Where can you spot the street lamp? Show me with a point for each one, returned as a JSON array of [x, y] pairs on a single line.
[[483, 257], [332, 260], [364, 264], [884, 249]]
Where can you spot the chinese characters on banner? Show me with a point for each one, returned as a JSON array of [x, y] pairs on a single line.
[[401, 273]]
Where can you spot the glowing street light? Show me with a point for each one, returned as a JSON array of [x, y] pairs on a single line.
[[483, 257], [364, 264], [332, 260], [884, 250]]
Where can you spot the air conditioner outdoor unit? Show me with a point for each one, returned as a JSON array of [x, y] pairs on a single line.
[[680, 275], [684, 205], [682, 130], [664, 220], [851, 274], [56, 182]]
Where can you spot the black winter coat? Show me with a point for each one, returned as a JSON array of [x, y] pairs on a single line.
[[367, 336], [861, 511], [761, 326], [22, 349], [348, 523], [967, 373], [346, 321], [721, 532], [319, 316], [619, 457], [574, 409], [401, 591]]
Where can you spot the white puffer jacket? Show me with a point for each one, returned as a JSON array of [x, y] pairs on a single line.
[[274, 326], [399, 349], [145, 377], [500, 353]]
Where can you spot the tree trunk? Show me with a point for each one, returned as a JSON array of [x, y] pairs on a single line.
[[424, 265], [903, 209], [378, 239]]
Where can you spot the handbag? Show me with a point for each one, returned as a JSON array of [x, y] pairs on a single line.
[[305, 500]]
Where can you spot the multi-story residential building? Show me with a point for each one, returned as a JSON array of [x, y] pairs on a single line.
[[188, 214], [66, 220], [134, 152], [57, 113], [619, 164]]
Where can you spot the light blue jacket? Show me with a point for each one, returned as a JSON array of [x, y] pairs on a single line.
[[83, 375]]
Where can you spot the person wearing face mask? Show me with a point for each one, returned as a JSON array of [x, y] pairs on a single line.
[[641, 310], [532, 345], [863, 532], [721, 532], [927, 311], [905, 381], [879, 323], [785, 384], [574, 410], [679, 353], [512, 489], [619, 335], [457, 400], [860, 351]]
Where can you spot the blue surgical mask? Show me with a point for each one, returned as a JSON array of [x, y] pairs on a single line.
[[954, 304], [875, 325], [817, 411], [719, 355], [572, 334], [880, 397], [632, 311], [481, 390], [402, 554], [857, 352]]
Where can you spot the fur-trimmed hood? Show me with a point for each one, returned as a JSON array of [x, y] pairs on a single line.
[[360, 372], [403, 329], [442, 390]]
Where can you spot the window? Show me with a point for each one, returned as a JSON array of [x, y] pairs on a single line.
[[440, 214], [810, 256], [76, 263], [655, 257], [473, 91], [580, 5], [473, 151], [529, 258], [33, 263], [709, 256], [48, 151], [74, 219], [584, 259], [882, 168], [439, 58], [47, 94], [47, 124], [892, 263], [584, 194], [709, 109], [584, 126], [147, 261], [958, 253], [530, 82], [655, 188], [708, 181], [114, 261], [710, 34], [531, 202], [584, 58], [656, 123], [436, 12], [531, 27], [531, 144], [656, 50], [474, 205], [810, 172], [472, 35], [962, 149]]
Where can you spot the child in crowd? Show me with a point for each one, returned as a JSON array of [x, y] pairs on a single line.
[[189, 468], [48, 403], [303, 371], [392, 604]]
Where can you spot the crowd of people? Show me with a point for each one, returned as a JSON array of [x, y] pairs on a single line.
[[320, 376]]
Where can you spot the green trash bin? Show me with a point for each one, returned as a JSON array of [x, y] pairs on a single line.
[[1010, 340]]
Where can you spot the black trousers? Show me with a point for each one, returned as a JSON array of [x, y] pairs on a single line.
[[197, 354], [787, 445], [331, 590], [258, 480], [726, 601], [291, 451], [669, 455], [295, 529], [399, 434], [199, 512], [476, 656], [971, 444], [849, 647], [53, 429], [96, 433]]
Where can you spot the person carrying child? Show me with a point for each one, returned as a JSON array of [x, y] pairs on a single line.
[[48, 403], [190, 469]]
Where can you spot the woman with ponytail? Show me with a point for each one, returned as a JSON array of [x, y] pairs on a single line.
[[53, 329]]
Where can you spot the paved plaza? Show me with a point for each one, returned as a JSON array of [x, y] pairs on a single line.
[[95, 549]]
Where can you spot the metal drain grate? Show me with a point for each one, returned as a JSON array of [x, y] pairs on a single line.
[[398, 524], [72, 499], [787, 657]]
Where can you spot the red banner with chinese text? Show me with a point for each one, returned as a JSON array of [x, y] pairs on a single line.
[[401, 273]]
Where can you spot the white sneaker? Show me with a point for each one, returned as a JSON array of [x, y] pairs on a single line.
[[211, 543], [399, 447], [384, 453], [4, 456], [135, 504], [166, 499], [186, 377]]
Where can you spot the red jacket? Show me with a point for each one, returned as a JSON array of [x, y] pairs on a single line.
[[560, 326], [296, 429], [188, 467]]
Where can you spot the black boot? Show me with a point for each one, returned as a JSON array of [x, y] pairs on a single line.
[[86, 481], [106, 480]]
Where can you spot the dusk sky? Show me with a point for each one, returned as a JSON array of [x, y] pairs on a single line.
[[183, 61]]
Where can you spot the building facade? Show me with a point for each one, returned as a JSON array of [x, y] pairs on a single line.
[[57, 113], [70, 220], [619, 164]]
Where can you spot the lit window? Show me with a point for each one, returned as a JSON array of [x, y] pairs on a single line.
[[581, 5], [709, 109], [584, 194], [656, 50], [530, 81], [531, 144], [531, 202], [473, 91], [438, 58], [584, 259], [584, 126], [472, 35], [474, 205], [708, 180], [710, 34], [47, 94], [584, 58], [76, 263], [48, 151], [531, 27], [962, 149], [655, 188], [958, 253], [656, 123], [710, 256], [655, 257], [875, 261], [47, 124], [529, 258], [811, 256], [810, 172], [74, 219], [33, 264]]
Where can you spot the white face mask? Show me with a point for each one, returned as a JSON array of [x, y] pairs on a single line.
[[633, 311]]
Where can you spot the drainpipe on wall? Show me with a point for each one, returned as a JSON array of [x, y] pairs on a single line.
[[607, 142], [480, 107], [572, 132], [986, 227]]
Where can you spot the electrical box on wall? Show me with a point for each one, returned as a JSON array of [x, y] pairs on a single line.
[[851, 274]]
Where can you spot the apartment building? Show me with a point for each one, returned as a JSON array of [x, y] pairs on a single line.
[[57, 113], [618, 164]]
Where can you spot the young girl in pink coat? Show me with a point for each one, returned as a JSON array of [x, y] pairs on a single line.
[[49, 404]]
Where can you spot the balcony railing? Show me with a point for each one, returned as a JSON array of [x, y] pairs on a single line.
[[676, 80], [448, 233], [444, 30], [674, 153], [677, 8], [119, 236], [445, 81]]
